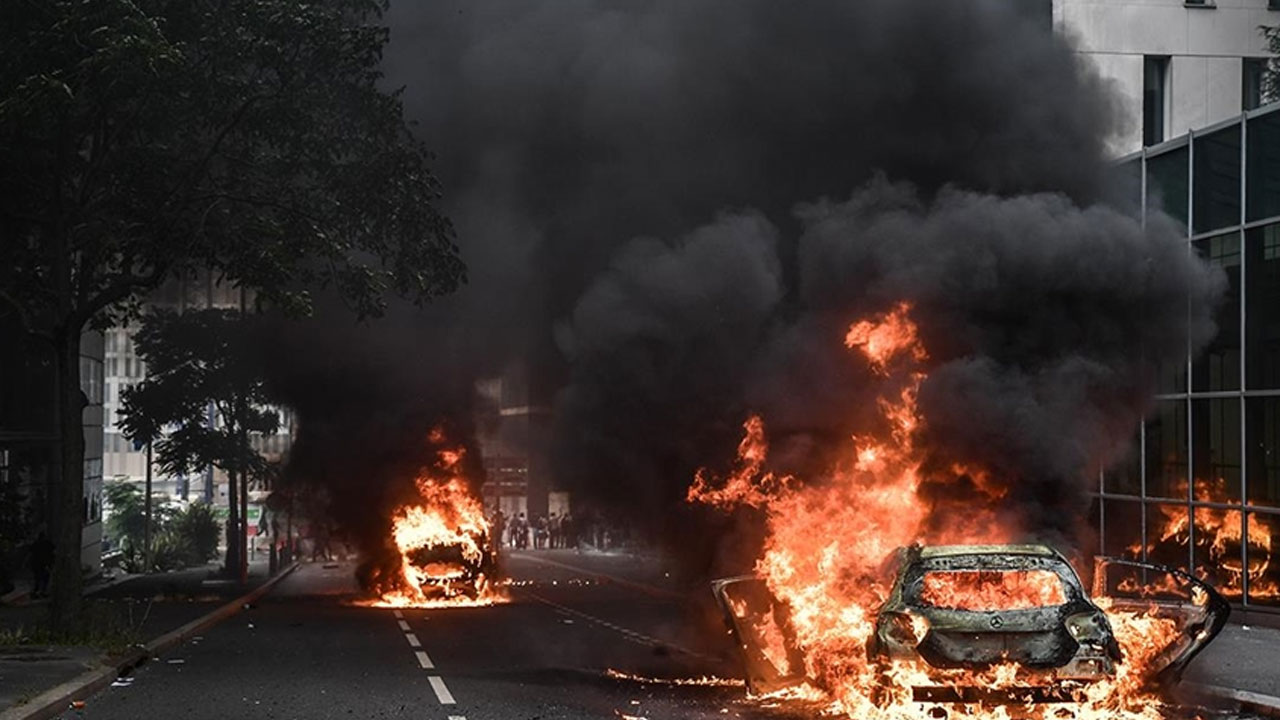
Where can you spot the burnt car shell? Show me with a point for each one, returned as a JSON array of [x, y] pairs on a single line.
[[1071, 638], [1052, 643], [451, 568]]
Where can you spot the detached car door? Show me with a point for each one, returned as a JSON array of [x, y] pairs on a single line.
[[759, 627], [1199, 610]]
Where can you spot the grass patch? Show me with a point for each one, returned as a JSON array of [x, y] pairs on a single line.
[[104, 625]]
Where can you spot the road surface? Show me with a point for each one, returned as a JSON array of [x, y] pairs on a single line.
[[555, 651], [571, 644]]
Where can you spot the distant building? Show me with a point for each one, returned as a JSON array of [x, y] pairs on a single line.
[[1201, 487], [121, 460], [514, 435], [29, 439], [1179, 65]]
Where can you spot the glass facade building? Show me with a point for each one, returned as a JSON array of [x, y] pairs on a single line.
[[1201, 487]]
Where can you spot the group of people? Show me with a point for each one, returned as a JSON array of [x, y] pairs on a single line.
[[552, 531]]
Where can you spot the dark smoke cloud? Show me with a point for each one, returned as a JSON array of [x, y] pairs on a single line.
[[566, 129], [1045, 322]]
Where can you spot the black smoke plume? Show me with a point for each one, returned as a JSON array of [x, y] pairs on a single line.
[[670, 210]]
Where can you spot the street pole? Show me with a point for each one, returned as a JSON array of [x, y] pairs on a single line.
[[146, 529]]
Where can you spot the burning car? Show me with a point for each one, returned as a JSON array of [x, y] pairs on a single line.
[[454, 565], [973, 607], [439, 549], [984, 624]]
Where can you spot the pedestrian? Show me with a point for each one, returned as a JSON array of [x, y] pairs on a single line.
[[521, 530], [499, 527], [41, 563], [553, 530], [568, 533], [540, 533]]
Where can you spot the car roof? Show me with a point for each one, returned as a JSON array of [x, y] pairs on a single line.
[[939, 551]]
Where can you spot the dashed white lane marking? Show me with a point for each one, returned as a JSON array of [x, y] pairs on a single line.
[[457, 717], [442, 691], [403, 625], [413, 640], [424, 661], [398, 614]]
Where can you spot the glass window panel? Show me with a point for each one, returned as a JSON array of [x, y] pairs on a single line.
[[1217, 550], [1215, 445], [1252, 72], [1124, 477], [1166, 450], [1217, 180], [1262, 449], [1263, 162], [1167, 527], [1125, 186], [1264, 569], [1167, 184], [1262, 300], [1218, 366], [1172, 376], [1155, 98], [1122, 523]]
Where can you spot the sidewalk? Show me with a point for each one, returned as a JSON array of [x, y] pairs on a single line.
[[1241, 664], [152, 605]]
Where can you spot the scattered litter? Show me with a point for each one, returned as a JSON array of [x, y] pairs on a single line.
[[176, 661], [1246, 627], [77, 704], [250, 626]]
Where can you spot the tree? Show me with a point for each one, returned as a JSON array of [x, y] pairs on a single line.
[[140, 139], [1271, 72], [194, 360]]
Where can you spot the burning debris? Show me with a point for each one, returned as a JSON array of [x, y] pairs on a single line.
[[967, 618], [443, 551], [1219, 536]]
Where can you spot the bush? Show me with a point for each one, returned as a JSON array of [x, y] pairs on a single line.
[[196, 531], [179, 538]]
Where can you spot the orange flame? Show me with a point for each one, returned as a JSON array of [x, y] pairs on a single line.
[[992, 590], [1219, 534], [827, 539]]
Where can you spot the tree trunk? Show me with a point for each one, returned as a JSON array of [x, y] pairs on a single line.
[[66, 519], [232, 562], [244, 523]]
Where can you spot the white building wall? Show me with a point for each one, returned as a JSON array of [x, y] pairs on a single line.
[[1205, 45]]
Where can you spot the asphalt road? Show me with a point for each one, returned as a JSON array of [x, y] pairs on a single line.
[[554, 651], [569, 645]]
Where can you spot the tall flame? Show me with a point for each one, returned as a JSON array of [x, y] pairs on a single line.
[[446, 516], [827, 539]]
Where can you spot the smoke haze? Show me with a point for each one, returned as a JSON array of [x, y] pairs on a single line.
[[670, 211]]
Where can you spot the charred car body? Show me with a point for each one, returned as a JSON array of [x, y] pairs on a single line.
[[960, 607], [955, 610], [452, 568]]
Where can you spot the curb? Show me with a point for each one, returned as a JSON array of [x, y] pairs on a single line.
[[54, 701], [1250, 701]]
